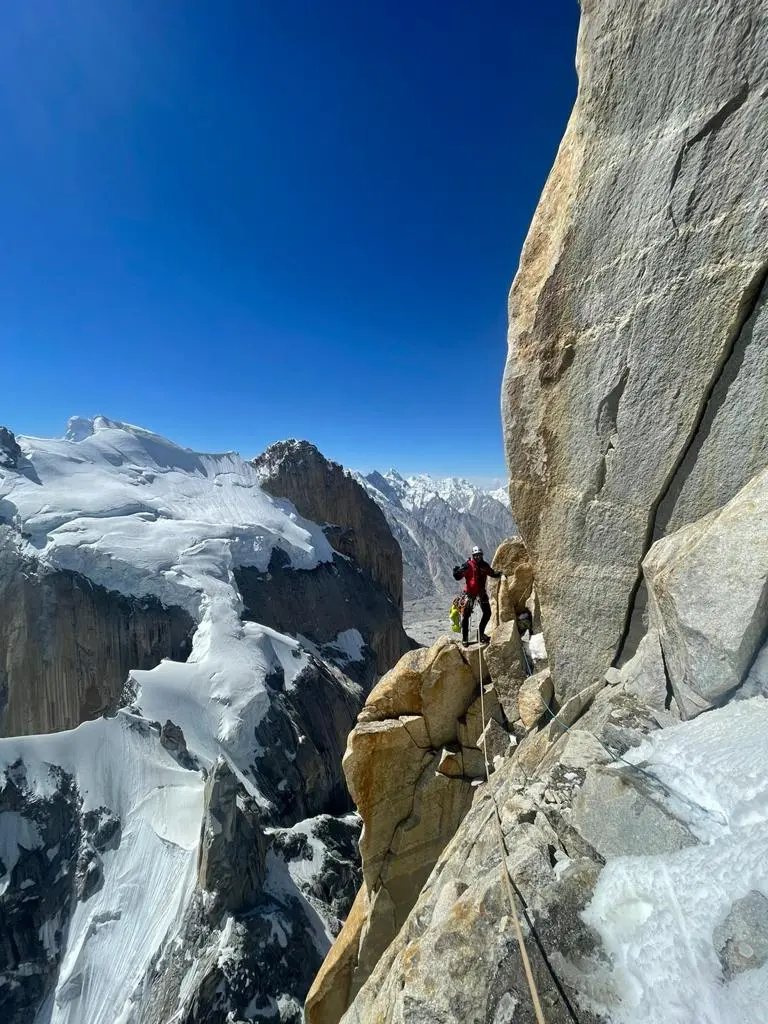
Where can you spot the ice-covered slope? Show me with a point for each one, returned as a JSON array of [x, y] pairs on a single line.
[[661, 917], [437, 521], [137, 513], [93, 916], [146, 878]]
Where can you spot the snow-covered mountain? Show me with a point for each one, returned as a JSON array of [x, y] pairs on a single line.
[[437, 521], [173, 860]]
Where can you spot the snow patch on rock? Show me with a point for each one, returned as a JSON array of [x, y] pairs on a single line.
[[656, 915], [348, 646]]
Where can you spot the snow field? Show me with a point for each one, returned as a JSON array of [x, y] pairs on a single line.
[[656, 915], [136, 513]]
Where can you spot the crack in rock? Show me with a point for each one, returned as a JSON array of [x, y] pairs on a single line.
[[711, 126], [605, 426], [712, 400]]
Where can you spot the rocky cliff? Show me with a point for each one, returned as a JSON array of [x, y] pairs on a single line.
[[627, 826], [67, 645], [634, 395], [417, 750], [10, 452], [333, 598], [322, 491]]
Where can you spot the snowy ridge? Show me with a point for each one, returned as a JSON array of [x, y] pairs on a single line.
[[133, 512], [119, 764], [138, 514], [417, 490]]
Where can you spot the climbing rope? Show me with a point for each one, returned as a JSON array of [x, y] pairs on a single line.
[[506, 878], [654, 781], [508, 881]]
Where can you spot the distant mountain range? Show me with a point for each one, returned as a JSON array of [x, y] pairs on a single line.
[[437, 521]]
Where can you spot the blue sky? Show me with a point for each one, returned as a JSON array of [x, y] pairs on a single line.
[[240, 221]]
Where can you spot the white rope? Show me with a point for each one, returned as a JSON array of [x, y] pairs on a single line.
[[504, 869]]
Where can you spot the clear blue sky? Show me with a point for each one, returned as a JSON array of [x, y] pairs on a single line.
[[234, 221]]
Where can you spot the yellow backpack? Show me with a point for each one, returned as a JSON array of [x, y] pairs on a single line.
[[455, 614]]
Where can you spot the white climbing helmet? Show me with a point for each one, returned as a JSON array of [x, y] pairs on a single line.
[[476, 550]]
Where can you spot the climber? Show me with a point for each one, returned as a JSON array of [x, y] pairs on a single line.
[[475, 572]]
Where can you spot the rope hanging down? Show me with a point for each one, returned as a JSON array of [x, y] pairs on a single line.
[[505, 875], [508, 882]]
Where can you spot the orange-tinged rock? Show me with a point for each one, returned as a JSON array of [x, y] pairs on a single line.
[[331, 993]]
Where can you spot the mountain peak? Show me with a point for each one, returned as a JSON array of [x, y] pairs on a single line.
[[437, 520]]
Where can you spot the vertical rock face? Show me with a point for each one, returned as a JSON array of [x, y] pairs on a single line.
[[41, 840], [322, 491], [635, 388], [324, 602], [232, 856], [301, 741], [67, 645], [410, 763], [361, 590]]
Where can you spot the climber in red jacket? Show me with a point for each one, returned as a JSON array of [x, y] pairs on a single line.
[[475, 573]]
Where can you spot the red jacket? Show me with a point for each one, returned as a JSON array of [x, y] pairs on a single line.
[[475, 574]]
